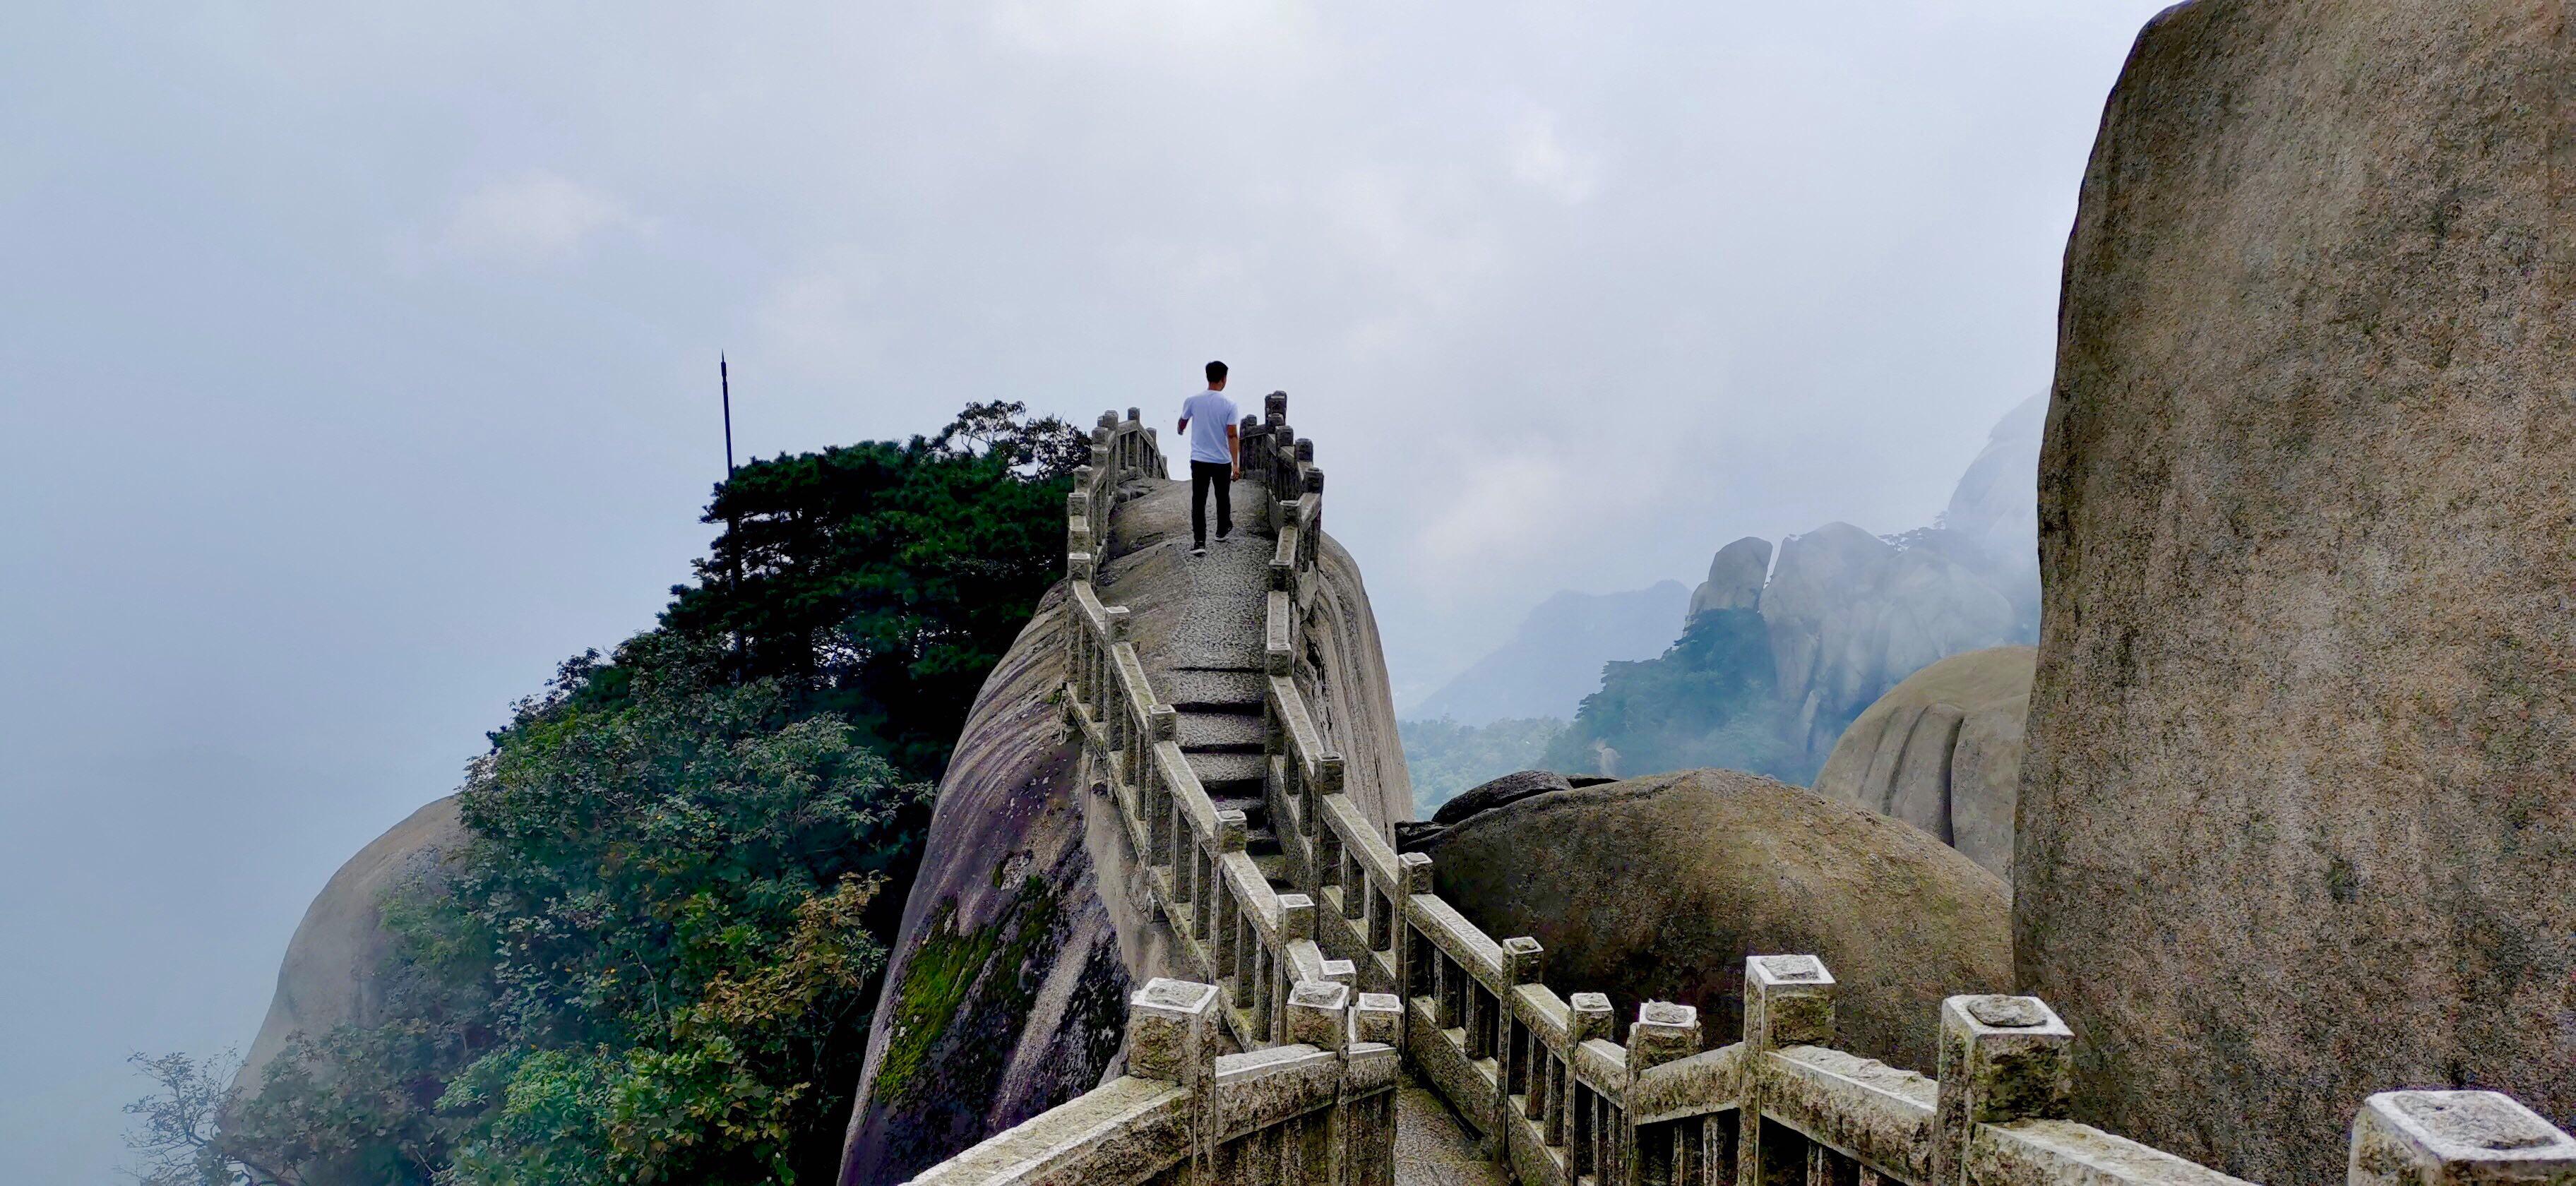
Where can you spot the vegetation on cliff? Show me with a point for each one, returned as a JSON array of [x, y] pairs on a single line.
[[1708, 701], [1446, 757], [655, 958]]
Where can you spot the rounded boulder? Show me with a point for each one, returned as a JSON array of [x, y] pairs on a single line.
[[1657, 888]]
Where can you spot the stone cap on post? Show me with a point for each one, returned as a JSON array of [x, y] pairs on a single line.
[[1171, 1031], [2456, 1138], [1788, 1001], [1315, 1014], [1377, 1017], [1296, 917], [1587, 1016], [1664, 1031], [1233, 830], [2003, 1058], [1118, 616], [1524, 960]]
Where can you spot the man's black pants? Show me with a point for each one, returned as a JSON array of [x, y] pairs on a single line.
[[1204, 474]]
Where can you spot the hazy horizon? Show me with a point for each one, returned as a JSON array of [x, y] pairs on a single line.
[[362, 365]]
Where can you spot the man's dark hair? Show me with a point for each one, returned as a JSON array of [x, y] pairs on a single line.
[[1216, 373]]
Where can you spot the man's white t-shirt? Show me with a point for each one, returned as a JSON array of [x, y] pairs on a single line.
[[1209, 414]]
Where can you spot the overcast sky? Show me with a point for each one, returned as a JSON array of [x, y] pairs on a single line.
[[357, 366]]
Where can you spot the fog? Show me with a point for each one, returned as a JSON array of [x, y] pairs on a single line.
[[356, 366]]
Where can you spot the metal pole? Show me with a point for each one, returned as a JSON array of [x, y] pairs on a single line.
[[733, 527]]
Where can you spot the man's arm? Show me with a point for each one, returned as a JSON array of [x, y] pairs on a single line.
[[1234, 446], [1182, 427]]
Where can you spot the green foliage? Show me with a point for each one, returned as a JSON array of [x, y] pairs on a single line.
[[882, 580], [1445, 757], [1706, 701], [653, 960]]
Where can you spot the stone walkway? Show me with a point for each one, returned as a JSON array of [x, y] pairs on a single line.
[[1209, 668], [1432, 1148]]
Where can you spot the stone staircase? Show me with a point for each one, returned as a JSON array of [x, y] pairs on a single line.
[[1210, 670]]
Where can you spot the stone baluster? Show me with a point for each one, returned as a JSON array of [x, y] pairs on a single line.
[[1171, 1032], [2456, 1138], [1231, 832], [1296, 922], [2003, 1058], [1587, 1016], [1663, 1032], [1788, 1001], [1524, 961]]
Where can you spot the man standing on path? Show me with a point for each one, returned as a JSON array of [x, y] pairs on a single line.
[[1216, 457]]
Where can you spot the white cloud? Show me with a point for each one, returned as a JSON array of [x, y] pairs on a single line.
[[533, 218], [1187, 32], [1540, 158]]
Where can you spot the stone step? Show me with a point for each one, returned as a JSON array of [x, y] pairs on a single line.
[[1227, 776], [1220, 732], [1272, 862], [1202, 689]]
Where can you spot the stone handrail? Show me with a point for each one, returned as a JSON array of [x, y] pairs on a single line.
[[1544, 1080], [1318, 1109]]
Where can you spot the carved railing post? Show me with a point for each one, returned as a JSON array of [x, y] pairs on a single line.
[[1171, 1031], [1788, 1001], [2456, 1138], [2002, 1059], [1663, 1032]]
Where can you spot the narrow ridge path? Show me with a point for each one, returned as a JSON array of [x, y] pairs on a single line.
[[1209, 668], [1209, 665]]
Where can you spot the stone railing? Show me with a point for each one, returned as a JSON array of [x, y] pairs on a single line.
[[1544, 1081], [1318, 1109]]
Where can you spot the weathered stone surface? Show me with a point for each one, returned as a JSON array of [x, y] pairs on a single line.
[[2296, 821], [1942, 751], [1735, 577], [1008, 983], [330, 976], [1659, 888], [1510, 788]]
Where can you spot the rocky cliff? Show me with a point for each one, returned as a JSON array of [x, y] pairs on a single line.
[[1942, 751], [1657, 888], [2296, 822], [1781, 652], [1850, 614], [1007, 989], [330, 976]]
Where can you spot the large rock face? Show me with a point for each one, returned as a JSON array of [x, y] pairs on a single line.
[[331, 974], [1995, 509], [1657, 888], [1006, 993], [1942, 751], [1007, 990], [1735, 577], [2298, 816], [1850, 614]]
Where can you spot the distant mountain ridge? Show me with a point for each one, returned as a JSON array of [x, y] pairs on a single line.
[[1784, 647], [1554, 660]]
